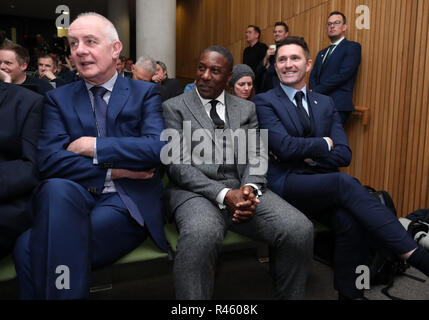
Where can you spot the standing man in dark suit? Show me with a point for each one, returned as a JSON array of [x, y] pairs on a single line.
[[98, 150], [336, 67], [308, 144], [255, 52], [211, 194], [20, 119]]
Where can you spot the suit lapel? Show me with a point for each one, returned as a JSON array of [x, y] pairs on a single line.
[[232, 111], [82, 105], [3, 92], [193, 103], [118, 99], [286, 104], [333, 55]]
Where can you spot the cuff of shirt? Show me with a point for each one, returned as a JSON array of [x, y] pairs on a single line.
[[329, 145], [221, 196], [95, 160]]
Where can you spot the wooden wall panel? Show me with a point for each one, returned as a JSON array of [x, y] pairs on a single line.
[[392, 151]]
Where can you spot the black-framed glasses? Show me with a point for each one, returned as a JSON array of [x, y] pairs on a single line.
[[337, 23]]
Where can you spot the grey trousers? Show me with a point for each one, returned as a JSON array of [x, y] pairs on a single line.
[[202, 227]]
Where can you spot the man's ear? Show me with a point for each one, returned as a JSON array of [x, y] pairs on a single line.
[[117, 48], [23, 66], [309, 63]]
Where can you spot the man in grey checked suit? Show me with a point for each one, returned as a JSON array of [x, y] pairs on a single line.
[[208, 197]]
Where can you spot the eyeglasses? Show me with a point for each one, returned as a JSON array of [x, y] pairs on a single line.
[[337, 23]]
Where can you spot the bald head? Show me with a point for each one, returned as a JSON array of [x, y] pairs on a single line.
[[94, 47]]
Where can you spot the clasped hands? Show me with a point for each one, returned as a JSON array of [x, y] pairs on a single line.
[[84, 146], [241, 203]]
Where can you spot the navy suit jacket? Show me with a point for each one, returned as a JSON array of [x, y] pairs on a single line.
[[20, 120], [134, 124], [286, 136], [338, 76]]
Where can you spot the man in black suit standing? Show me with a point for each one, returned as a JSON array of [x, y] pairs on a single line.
[[255, 52], [20, 118]]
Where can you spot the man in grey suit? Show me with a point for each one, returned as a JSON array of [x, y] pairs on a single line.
[[211, 194]]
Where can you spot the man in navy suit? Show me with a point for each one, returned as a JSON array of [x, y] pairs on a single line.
[[308, 144], [20, 119], [98, 150], [336, 67]]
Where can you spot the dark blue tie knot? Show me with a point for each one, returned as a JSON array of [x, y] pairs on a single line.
[[298, 97], [98, 91]]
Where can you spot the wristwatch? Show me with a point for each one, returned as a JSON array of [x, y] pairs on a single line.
[[257, 193]]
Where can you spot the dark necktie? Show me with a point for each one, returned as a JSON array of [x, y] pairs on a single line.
[[100, 111], [328, 54], [302, 113], [215, 116]]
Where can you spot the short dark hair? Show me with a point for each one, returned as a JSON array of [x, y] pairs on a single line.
[[281, 23], [333, 13], [256, 28], [48, 56], [223, 51], [294, 40], [21, 53]]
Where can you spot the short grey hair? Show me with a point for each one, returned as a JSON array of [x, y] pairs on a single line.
[[110, 30], [146, 63]]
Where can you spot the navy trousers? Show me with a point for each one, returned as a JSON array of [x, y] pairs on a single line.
[[73, 231], [355, 214]]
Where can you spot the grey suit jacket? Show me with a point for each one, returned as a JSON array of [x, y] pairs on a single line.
[[199, 178]]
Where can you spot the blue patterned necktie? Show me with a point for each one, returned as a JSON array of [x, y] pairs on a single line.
[[100, 111]]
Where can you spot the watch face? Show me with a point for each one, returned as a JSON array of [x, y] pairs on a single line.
[[256, 192]]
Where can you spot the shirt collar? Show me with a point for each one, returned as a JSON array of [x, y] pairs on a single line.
[[336, 43], [220, 98], [290, 92], [109, 84]]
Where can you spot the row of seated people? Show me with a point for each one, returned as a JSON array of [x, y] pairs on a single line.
[[101, 143], [14, 60]]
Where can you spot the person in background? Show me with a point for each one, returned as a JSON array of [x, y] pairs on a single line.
[[255, 52], [266, 71], [14, 60], [242, 82], [47, 67], [336, 67], [144, 69], [120, 66], [170, 87]]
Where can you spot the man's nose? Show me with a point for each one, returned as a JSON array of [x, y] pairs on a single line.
[[206, 75]]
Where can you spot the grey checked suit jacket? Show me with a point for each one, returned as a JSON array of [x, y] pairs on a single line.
[[189, 181]]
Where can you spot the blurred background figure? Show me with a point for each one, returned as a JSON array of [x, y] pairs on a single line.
[[170, 87], [242, 81]]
